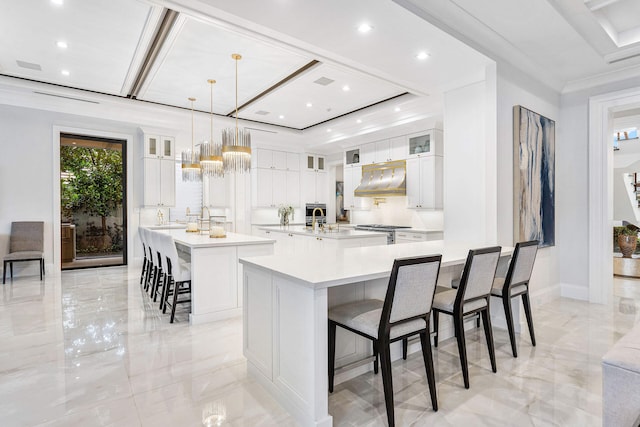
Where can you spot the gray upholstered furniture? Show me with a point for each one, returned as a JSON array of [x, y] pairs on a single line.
[[405, 312], [516, 283], [621, 382], [26, 243], [471, 297]]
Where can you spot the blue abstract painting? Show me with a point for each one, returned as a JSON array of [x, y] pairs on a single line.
[[534, 177]]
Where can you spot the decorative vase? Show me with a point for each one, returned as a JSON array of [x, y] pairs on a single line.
[[627, 245], [284, 219]]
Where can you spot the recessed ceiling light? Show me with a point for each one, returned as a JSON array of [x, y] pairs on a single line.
[[328, 130], [309, 104], [358, 121], [62, 44], [346, 88], [57, 2], [364, 27], [281, 116], [65, 72], [396, 109], [422, 56]]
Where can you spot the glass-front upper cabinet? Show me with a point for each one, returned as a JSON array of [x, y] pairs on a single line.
[[427, 143], [315, 163], [352, 157], [159, 146]]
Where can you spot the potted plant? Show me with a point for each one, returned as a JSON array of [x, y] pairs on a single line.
[[284, 212], [627, 240]]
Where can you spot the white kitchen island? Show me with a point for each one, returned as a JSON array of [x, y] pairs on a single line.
[[285, 316], [216, 274]]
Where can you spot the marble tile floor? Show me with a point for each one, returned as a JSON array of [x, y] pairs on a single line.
[[88, 348]]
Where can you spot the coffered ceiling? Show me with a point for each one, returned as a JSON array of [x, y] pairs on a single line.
[[165, 51], [305, 65]]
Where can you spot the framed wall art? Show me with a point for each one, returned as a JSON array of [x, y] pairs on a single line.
[[534, 177]]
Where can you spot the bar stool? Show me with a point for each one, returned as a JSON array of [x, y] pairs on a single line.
[[145, 261], [178, 277], [149, 255], [471, 297], [158, 273], [404, 312], [516, 283]]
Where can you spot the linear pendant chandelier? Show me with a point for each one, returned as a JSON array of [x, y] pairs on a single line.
[[210, 151], [191, 170], [236, 143]]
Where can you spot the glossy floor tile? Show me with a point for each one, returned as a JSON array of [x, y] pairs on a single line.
[[89, 348]]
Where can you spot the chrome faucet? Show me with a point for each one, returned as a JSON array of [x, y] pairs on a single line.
[[313, 218]]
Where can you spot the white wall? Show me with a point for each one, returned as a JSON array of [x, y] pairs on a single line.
[[514, 88], [468, 193]]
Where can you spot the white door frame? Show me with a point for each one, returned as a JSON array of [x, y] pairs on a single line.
[[55, 183], [600, 181]]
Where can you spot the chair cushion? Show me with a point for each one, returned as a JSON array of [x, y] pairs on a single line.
[[444, 301], [364, 316], [498, 284], [184, 273], [23, 256]]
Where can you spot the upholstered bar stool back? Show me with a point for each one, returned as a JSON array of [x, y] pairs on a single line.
[[404, 312], [178, 277], [516, 283]]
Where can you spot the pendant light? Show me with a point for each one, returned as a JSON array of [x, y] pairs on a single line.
[[236, 143], [190, 158], [210, 151]]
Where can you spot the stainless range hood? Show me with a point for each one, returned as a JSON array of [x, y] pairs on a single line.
[[383, 179]]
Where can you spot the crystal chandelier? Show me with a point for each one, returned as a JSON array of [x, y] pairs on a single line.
[[211, 152], [236, 144], [191, 158]]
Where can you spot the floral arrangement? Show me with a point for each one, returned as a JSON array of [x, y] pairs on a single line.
[[284, 212]]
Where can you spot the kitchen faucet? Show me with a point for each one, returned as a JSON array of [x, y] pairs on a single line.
[[313, 218]]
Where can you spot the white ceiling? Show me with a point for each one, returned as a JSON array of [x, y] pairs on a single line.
[[562, 43]]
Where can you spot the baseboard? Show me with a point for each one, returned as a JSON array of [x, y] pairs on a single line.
[[544, 295], [578, 292]]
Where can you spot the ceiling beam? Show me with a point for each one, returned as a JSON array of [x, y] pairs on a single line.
[[290, 77], [159, 38]]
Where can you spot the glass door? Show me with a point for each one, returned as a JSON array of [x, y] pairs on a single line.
[[92, 201]]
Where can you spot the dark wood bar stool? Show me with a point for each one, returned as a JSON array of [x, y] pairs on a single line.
[[471, 297], [405, 312]]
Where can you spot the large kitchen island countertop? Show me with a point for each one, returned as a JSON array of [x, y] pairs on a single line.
[[349, 265]]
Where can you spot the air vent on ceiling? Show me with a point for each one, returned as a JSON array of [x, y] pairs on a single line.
[[259, 130], [29, 65], [262, 113], [324, 81]]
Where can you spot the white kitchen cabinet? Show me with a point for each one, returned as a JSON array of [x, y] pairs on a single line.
[[276, 179], [352, 178], [159, 182], [315, 163], [271, 159], [426, 143], [389, 150], [159, 171], [293, 188], [293, 161], [218, 192], [424, 182], [352, 157], [270, 188], [314, 187], [156, 146], [368, 153]]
